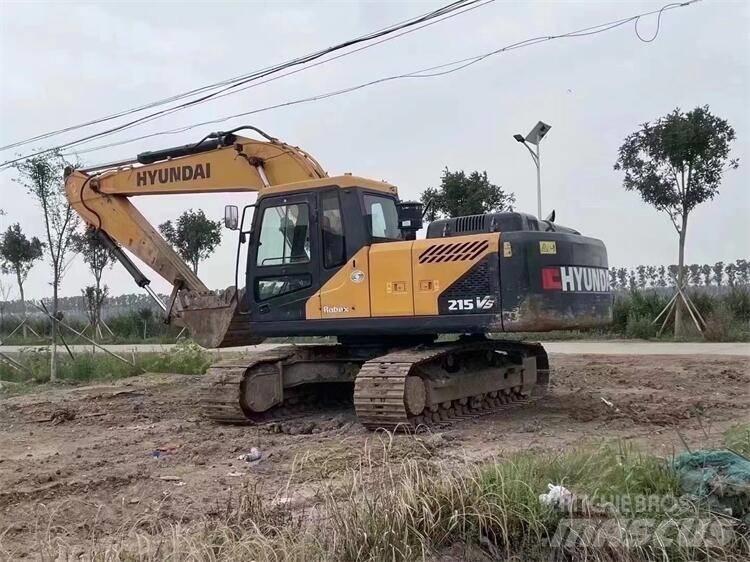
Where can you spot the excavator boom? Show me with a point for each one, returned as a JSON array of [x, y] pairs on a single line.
[[227, 163]]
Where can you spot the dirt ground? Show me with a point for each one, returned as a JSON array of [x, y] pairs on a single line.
[[72, 459]]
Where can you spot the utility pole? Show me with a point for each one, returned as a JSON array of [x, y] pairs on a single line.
[[535, 137]]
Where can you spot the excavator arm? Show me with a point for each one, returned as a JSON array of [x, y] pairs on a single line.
[[221, 162]]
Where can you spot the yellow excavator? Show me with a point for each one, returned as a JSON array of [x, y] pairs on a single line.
[[339, 257]]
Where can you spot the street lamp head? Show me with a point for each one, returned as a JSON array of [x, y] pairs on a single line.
[[537, 133], [519, 138]]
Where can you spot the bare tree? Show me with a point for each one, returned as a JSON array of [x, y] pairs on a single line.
[[42, 176]]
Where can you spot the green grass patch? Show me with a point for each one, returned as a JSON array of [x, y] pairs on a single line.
[[737, 438], [84, 367], [496, 506]]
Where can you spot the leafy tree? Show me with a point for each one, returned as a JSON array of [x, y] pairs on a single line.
[[641, 273], [706, 271], [651, 274], [695, 274], [632, 281], [42, 176], [719, 273], [98, 257], [613, 277], [145, 314], [672, 275], [194, 236], [460, 195], [677, 163], [4, 298], [662, 279], [94, 298], [743, 271], [17, 256], [622, 278], [731, 270]]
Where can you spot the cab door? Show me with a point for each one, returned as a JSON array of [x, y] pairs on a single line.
[[283, 268]]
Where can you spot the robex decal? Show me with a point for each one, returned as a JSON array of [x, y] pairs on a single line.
[[572, 279], [173, 174], [336, 309]]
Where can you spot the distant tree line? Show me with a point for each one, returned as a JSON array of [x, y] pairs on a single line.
[[76, 306], [720, 274]]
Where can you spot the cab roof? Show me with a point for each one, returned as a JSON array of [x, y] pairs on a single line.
[[341, 182]]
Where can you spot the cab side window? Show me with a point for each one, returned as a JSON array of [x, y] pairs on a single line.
[[332, 228], [284, 235]]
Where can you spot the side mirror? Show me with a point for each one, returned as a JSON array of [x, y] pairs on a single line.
[[231, 217], [409, 218]]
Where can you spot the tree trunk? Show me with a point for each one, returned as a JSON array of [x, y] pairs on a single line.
[[23, 303], [679, 310], [53, 356], [96, 308]]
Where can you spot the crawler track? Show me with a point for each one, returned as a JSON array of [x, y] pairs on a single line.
[[433, 384], [221, 391], [388, 391]]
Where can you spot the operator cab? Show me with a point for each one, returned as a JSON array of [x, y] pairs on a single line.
[[301, 239]]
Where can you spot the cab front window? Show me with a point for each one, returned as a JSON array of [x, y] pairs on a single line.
[[381, 216]]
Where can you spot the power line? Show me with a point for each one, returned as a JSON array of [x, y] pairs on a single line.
[[231, 83], [429, 72], [283, 75]]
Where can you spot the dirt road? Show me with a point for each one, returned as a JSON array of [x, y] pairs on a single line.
[[73, 460]]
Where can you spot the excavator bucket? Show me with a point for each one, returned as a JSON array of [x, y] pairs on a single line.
[[215, 319]]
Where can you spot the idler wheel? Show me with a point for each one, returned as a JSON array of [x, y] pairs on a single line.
[[415, 395]]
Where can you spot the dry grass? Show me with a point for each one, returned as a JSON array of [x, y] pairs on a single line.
[[402, 507]]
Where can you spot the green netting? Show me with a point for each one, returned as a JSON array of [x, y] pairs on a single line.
[[722, 478]]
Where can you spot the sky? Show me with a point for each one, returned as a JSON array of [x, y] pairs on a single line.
[[63, 63]]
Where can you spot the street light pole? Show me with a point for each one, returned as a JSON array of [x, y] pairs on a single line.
[[538, 183], [535, 137]]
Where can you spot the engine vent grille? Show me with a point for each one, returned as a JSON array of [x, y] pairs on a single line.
[[471, 223], [462, 251]]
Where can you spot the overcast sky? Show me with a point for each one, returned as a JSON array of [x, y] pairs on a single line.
[[64, 63]]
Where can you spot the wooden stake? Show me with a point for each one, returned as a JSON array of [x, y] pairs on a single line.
[[690, 310], [104, 349], [666, 307]]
